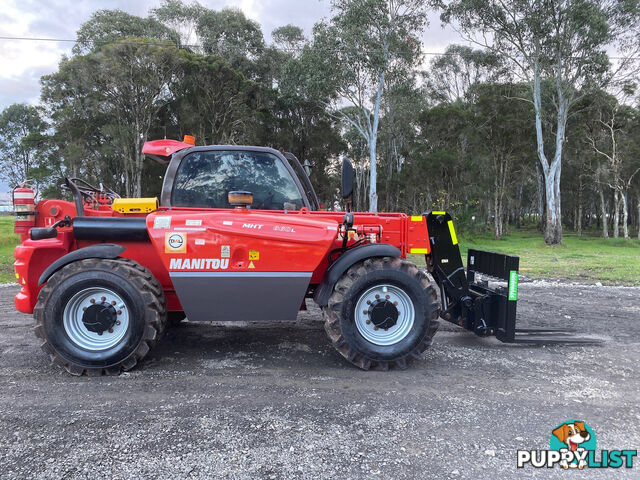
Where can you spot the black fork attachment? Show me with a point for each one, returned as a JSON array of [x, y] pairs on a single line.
[[478, 299]]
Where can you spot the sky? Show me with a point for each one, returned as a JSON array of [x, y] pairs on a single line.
[[24, 62]]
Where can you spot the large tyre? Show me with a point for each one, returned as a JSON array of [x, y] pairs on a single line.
[[99, 316], [382, 312]]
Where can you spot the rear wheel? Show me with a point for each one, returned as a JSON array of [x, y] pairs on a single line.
[[382, 312], [100, 316]]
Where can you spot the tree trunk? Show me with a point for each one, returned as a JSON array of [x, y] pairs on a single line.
[[603, 210], [551, 170], [579, 229], [541, 202], [616, 213], [553, 219], [625, 215], [373, 138], [638, 218], [497, 222]]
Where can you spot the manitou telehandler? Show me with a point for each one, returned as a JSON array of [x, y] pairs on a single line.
[[238, 235]]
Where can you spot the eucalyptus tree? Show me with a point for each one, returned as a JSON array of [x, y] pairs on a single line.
[[356, 50], [229, 34], [452, 74], [181, 18], [562, 41], [110, 26], [23, 144]]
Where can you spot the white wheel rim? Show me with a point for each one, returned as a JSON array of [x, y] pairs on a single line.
[[404, 322], [75, 328]]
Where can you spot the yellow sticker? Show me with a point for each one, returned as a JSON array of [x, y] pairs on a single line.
[[438, 213], [419, 250], [175, 242], [416, 218], [254, 255], [17, 276], [454, 238], [251, 265]]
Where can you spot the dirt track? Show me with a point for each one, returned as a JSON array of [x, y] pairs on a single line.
[[265, 401]]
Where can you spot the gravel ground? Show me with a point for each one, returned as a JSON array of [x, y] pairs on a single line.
[[276, 401]]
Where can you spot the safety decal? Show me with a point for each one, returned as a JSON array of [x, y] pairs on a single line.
[[227, 222], [225, 251], [254, 255], [199, 241], [251, 265], [162, 222], [193, 222], [175, 242]]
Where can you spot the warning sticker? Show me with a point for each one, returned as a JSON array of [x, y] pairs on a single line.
[[225, 251], [199, 241], [162, 222], [193, 222], [175, 242], [251, 265], [254, 255]]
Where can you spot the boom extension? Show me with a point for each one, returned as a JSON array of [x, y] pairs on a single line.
[[483, 299]]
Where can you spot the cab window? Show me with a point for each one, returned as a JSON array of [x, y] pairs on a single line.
[[204, 179]]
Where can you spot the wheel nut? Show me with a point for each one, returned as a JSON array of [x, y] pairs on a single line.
[[387, 297], [111, 330], [117, 322], [368, 302], [395, 304], [375, 328], [84, 309], [368, 322], [377, 296], [365, 311], [93, 300], [100, 333], [104, 299], [113, 303], [119, 312]]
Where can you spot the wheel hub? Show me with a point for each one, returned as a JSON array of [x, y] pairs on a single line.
[[383, 314], [99, 317]]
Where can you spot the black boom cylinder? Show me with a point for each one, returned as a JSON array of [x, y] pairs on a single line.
[[110, 228]]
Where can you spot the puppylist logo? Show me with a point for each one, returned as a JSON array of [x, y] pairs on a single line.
[[573, 445]]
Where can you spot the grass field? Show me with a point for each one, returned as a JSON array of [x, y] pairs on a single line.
[[586, 259], [8, 241]]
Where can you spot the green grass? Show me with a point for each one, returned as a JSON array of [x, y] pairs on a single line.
[[8, 241], [587, 259]]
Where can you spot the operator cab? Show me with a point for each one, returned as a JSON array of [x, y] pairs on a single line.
[[202, 177]]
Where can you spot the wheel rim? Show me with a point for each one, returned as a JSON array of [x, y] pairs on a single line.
[[405, 314], [106, 334]]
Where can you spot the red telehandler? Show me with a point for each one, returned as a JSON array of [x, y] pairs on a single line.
[[238, 235]]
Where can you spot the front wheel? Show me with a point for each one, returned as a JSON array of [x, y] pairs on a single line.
[[382, 312], [99, 316]]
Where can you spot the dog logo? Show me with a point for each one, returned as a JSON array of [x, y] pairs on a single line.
[[175, 242], [575, 437], [573, 445]]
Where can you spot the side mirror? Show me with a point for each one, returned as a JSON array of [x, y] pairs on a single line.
[[347, 178]]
